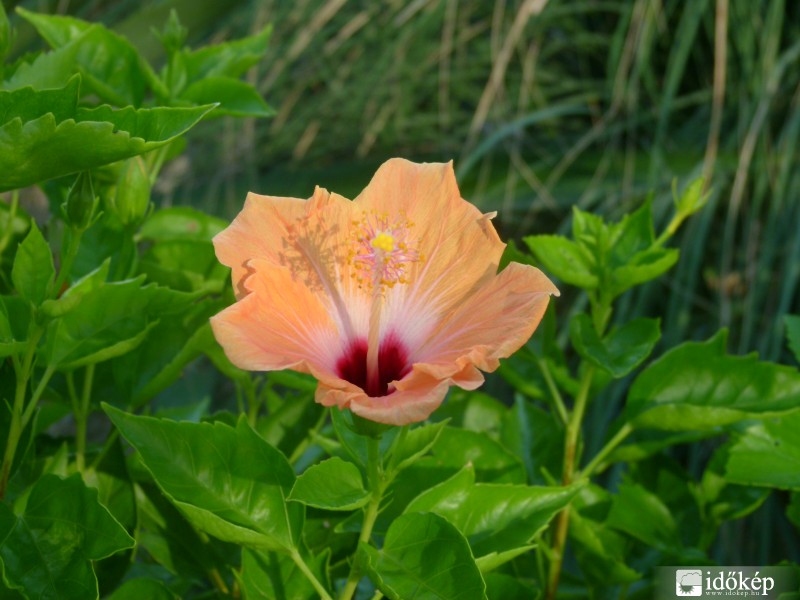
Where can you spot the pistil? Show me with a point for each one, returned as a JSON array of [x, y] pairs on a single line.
[[380, 258], [374, 340]]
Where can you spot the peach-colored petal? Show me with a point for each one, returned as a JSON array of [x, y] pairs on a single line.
[[414, 398], [459, 244], [259, 231], [423, 396], [492, 323], [279, 324]]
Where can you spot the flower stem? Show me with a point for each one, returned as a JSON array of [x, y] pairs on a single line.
[[373, 341], [81, 417], [376, 485], [301, 564], [22, 372], [558, 401], [70, 251], [570, 453]]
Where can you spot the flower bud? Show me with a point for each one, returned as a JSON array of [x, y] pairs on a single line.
[[81, 203], [174, 34], [692, 199], [132, 197]]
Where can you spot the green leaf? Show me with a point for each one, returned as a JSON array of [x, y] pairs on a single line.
[[46, 147], [110, 65], [5, 35], [142, 587], [57, 30], [647, 442], [793, 334], [108, 322], [493, 560], [8, 345], [643, 515], [161, 359], [333, 484], [47, 70], [632, 235], [793, 510], [295, 418], [269, 575], [28, 104], [721, 500], [563, 259], [423, 557], [228, 482], [600, 551], [508, 587], [230, 59], [537, 436], [75, 294], [493, 517], [172, 541], [642, 267], [47, 552], [19, 314], [354, 444], [620, 351], [767, 454], [417, 442], [181, 223], [186, 265], [455, 448], [474, 410], [33, 271], [235, 98], [697, 386]]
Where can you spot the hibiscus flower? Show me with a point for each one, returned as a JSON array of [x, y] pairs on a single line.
[[386, 300]]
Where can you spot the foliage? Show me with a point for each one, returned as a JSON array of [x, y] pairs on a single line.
[[104, 307]]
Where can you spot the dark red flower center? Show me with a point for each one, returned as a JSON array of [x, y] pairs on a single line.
[[392, 365]]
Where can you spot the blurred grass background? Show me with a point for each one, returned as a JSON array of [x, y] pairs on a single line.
[[543, 105]]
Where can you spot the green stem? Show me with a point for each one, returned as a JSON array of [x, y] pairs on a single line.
[[81, 417], [112, 437], [674, 224], [253, 401], [570, 455], [73, 241], [22, 372], [615, 441], [155, 162], [393, 456], [12, 214], [558, 401], [601, 311], [301, 564], [37, 394], [306, 442], [376, 486]]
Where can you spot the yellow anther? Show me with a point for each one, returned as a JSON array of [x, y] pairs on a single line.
[[383, 241]]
